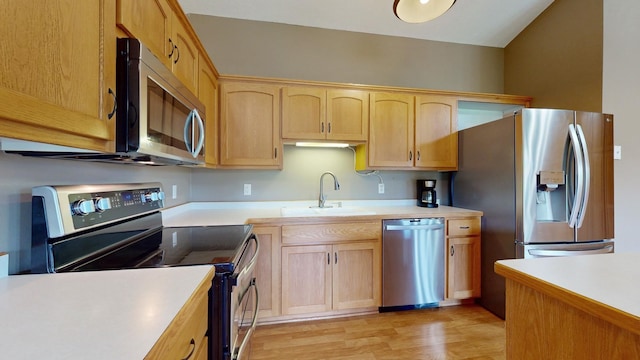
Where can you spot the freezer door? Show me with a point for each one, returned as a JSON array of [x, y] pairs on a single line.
[[596, 219], [544, 176]]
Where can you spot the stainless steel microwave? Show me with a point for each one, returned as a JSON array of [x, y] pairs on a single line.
[[156, 116], [158, 120]]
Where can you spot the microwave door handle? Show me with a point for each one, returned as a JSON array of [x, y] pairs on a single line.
[[188, 138], [200, 123], [577, 153], [586, 176]]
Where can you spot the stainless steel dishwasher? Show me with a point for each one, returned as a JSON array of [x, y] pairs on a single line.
[[413, 259]]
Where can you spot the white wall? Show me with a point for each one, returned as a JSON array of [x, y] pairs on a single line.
[[621, 91]]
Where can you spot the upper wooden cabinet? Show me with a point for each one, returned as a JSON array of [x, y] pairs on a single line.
[[324, 114], [158, 27], [436, 132], [250, 125], [58, 72], [391, 132], [411, 132], [208, 94]]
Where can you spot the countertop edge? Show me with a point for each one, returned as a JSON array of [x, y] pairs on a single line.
[[590, 306]]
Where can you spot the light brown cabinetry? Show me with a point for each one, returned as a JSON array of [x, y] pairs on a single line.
[[208, 94], [330, 267], [163, 31], [411, 132], [463, 258], [58, 74], [186, 335], [324, 114], [268, 271], [250, 125]]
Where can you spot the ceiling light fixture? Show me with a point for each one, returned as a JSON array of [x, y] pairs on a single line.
[[418, 11]]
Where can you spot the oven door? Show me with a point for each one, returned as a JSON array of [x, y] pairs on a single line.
[[244, 301]]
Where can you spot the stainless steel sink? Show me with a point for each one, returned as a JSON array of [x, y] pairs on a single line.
[[326, 211]]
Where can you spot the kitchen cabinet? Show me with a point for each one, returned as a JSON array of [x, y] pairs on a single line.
[[250, 125], [208, 94], [324, 114], [463, 258], [186, 336], [411, 132], [58, 74], [268, 271], [161, 27], [337, 269]]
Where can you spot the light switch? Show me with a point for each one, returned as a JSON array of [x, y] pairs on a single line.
[[617, 152], [247, 189]]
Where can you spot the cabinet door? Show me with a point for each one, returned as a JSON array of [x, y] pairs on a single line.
[[304, 113], [391, 130], [347, 115], [249, 126], [436, 137], [463, 271], [306, 279], [58, 72], [184, 62], [150, 22], [208, 94], [268, 270], [357, 280]]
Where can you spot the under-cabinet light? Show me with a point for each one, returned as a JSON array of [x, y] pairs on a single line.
[[320, 144]]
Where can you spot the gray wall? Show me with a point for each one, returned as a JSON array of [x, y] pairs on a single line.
[[256, 48]]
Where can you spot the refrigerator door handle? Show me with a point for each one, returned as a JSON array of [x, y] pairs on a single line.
[[579, 194], [558, 253], [587, 175]]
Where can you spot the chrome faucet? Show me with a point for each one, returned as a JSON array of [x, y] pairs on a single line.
[[336, 186]]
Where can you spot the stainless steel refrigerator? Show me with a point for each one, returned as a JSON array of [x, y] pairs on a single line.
[[544, 180]]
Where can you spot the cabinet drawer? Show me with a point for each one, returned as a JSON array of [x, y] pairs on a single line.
[[463, 227], [329, 233], [190, 324]]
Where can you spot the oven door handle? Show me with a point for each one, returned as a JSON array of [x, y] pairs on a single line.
[[254, 321], [252, 263]]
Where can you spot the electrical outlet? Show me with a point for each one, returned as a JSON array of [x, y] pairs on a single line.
[[247, 189], [174, 191], [380, 188], [617, 152]]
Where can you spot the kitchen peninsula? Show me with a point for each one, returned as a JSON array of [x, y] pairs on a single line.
[[582, 307]]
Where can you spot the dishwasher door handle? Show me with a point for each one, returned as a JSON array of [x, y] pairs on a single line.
[[414, 227]]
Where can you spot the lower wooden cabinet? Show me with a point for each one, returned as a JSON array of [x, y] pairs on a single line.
[[268, 271], [186, 336], [320, 278], [463, 260]]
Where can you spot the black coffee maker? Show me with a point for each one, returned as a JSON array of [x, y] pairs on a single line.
[[427, 193]]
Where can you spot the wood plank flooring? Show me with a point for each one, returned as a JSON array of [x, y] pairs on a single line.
[[454, 332]]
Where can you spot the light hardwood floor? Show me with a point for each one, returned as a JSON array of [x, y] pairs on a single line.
[[454, 332]]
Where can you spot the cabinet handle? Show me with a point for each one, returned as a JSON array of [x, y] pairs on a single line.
[[336, 257], [418, 153], [329, 131], [328, 259], [177, 57], [322, 128], [173, 47], [193, 342], [115, 104], [464, 227], [452, 251], [275, 152], [410, 155]]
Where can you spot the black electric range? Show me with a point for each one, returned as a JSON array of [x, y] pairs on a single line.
[[112, 227]]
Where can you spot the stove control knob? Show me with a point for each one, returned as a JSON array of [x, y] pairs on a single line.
[[160, 195], [83, 207], [102, 204]]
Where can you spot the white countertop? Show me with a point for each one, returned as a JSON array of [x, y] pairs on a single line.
[[91, 315], [602, 284], [232, 213]]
